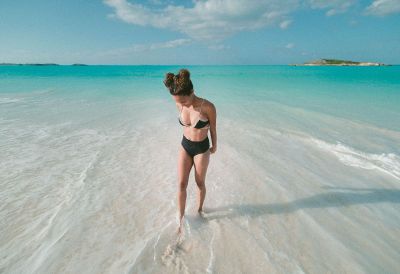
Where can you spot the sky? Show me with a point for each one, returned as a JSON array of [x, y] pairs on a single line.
[[198, 32]]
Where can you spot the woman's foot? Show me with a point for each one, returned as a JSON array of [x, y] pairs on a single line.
[[201, 213], [180, 228]]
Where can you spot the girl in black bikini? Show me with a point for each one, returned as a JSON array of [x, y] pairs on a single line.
[[197, 116]]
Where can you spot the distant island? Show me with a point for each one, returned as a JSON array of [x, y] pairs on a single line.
[[34, 64], [38, 64], [336, 62]]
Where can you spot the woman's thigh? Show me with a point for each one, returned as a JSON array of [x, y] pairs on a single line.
[[185, 163], [200, 165]]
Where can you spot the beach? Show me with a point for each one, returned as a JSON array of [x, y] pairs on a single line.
[[306, 178]]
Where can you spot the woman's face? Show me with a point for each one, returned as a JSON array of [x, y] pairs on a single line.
[[185, 100]]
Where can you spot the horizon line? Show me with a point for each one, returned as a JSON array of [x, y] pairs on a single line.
[[83, 64]]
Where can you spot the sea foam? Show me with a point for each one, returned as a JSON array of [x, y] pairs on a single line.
[[388, 163]]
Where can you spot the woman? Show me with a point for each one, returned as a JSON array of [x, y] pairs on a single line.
[[196, 115]]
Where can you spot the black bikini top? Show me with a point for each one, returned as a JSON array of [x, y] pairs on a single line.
[[200, 123]]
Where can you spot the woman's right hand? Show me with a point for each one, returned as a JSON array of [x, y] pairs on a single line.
[[213, 149]]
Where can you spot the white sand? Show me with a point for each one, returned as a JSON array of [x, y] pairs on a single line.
[[97, 197]]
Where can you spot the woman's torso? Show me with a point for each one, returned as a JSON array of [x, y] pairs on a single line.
[[194, 121]]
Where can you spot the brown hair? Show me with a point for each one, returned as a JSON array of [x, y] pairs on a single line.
[[179, 84]]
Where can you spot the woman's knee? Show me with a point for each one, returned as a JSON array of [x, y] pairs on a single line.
[[183, 185], [201, 183]]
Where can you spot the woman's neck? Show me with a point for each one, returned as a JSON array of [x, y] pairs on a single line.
[[195, 99]]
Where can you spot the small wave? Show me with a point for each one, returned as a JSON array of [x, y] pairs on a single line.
[[45, 91], [212, 256], [386, 162], [6, 100]]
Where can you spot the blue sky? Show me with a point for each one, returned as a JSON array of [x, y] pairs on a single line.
[[198, 31]]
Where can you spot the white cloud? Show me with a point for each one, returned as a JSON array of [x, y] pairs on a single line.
[[155, 2], [219, 47], [353, 22], [207, 19], [170, 44], [285, 24], [145, 47], [334, 6], [383, 7], [215, 20], [289, 46]]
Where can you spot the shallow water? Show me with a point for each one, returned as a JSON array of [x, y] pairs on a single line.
[[305, 179]]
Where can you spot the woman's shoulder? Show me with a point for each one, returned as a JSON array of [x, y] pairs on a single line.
[[208, 105]]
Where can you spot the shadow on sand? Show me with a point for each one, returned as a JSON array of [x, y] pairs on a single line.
[[340, 197]]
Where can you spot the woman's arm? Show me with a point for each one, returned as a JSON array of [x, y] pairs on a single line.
[[212, 117]]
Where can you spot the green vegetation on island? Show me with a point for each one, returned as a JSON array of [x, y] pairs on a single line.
[[28, 64], [38, 64], [337, 62]]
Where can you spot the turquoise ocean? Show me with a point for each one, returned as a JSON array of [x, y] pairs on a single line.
[[306, 178]]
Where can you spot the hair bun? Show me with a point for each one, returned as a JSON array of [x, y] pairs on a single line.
[[184, 73], [179, 84], [169, 80]]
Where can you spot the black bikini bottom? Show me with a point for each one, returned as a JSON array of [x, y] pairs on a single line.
[[195, 147]]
